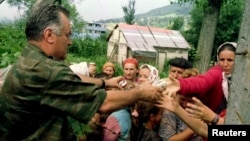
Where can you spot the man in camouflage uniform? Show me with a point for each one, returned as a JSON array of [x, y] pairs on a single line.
[[41, 92]]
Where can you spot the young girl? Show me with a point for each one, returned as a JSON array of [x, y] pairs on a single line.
[[145, 115], [149, 117]]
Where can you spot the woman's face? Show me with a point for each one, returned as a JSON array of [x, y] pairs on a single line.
[[130, 71], [226, 61], [109, 71], [144, 75]]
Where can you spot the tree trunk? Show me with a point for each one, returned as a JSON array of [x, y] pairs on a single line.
[[239, 99], [206, 39]]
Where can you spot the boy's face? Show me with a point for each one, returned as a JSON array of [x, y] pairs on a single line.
[[176, 72]]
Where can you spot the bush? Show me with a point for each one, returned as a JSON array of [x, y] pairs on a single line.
[[12, 40]]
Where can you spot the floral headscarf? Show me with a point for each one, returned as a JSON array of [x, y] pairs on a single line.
[[154, 74]]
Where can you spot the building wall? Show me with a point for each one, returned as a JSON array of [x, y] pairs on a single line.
[[117, 47], [172, 53], [161, 57], [122, 53], [95, 28], [118, 51]]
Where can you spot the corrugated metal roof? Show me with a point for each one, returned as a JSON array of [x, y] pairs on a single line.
[[144, 38]]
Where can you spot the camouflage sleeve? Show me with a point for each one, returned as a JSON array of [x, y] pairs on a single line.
[[39, 94], [66, 93]]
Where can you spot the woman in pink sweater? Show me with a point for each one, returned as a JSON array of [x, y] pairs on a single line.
[[212, 87]]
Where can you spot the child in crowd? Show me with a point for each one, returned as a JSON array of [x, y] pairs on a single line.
[[145, 115], [149, 117]]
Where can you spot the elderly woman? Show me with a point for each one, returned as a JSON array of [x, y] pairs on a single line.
[[109, 68]]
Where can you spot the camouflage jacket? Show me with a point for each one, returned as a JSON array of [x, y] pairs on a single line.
[[38, 96]]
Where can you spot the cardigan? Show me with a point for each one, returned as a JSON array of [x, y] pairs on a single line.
[[207, 86]]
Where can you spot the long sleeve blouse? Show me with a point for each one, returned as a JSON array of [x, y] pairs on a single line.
[[208, 86]]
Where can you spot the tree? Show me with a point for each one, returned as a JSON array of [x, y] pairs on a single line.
[[229, 20], [228, 26], [207, 34], [176, 23], [77, 21], [24, 2], [192, 33], [237, 110], [12, 32], [218, 13], [129, 12]]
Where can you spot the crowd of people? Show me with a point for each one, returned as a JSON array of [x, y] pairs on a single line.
[[41, 94]]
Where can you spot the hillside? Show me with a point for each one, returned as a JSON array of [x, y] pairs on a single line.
[[177, 9], [159, 17]]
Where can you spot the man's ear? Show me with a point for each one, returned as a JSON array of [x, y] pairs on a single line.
[[48, 35]]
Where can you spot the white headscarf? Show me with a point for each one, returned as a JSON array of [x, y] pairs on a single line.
[[226, 43], [225, 80], [80, 68], [225, 85], [154, 74]]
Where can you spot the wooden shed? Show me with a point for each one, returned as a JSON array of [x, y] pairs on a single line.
[[147, 44]]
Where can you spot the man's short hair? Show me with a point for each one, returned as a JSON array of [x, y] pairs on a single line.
[[180, 63], [46, 15]]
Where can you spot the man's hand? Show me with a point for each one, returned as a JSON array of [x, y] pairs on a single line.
[[169, 103], [173, 86], [114, 82], [149, 92], [92, 70], [198, 110]]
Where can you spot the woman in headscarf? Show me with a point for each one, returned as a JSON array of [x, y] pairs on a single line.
[[130, 69], [109, 68], [212, 86], [118, 123], [146, 116]]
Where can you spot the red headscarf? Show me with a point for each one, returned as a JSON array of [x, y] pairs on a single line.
[[132, 61]]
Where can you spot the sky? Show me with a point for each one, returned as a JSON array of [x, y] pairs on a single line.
[[94, 10]]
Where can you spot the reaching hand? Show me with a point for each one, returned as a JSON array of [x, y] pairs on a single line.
[[114, 82], [92, 70], [149, 92], [173, 86], [198, 110], [168, 102]]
